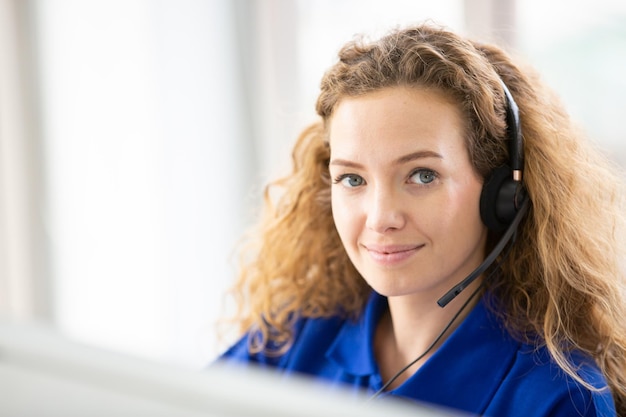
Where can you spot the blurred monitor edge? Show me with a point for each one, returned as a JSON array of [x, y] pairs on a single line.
[[45, 374]]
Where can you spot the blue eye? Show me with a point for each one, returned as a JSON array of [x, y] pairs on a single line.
[[350, 180], [423, 176]]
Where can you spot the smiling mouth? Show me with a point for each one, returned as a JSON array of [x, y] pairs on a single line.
[[390, 250], [389, 255]]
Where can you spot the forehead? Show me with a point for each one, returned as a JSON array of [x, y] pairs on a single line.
[[400, 119]]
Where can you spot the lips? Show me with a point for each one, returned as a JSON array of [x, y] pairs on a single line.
[[389, 255]]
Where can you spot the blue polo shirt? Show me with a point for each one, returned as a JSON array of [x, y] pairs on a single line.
[[479, 369]]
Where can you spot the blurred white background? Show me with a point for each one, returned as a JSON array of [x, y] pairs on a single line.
[[136, 135]]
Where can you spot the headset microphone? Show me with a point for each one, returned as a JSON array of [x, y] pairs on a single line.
[[503, 200]]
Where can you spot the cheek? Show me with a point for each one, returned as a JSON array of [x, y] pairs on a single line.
[[465, 217], [453, 213]]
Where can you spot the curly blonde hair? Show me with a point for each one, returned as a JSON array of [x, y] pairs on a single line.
[[562, 284]]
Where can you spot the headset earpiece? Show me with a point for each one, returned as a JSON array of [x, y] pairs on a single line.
[[501, 199], [503, 192]]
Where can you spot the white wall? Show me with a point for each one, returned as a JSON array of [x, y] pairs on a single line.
[[141, 103]]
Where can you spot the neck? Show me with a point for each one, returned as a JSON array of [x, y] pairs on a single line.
[[416, 323], [413, 324]]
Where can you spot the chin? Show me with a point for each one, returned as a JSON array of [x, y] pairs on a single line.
[[392, 290], [390, 287]]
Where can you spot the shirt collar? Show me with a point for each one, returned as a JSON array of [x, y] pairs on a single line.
[[452, 373], [352, 349], [449, 374]]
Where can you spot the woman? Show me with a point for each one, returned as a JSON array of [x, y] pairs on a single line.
[[386, 211]]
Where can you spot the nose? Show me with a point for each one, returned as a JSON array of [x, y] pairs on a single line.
[[385, 211]]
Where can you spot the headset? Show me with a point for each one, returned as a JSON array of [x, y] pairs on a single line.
[[503, 193], [503, 199]]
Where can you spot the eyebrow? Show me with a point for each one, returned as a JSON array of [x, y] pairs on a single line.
[[402, 160]]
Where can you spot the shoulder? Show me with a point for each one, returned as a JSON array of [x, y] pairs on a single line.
[[536, 385], [531, 382], [311, 339]]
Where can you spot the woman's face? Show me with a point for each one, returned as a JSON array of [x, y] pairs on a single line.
[[405, 198]]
